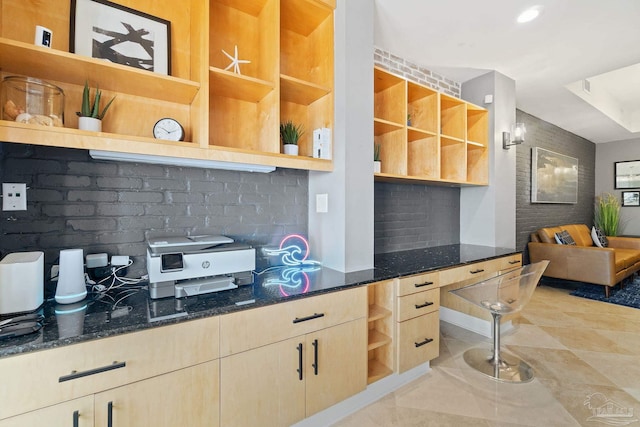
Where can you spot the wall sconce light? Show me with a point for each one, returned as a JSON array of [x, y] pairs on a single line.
[[517, 132]]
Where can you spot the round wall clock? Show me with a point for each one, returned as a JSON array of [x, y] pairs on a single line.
[[168, 129]]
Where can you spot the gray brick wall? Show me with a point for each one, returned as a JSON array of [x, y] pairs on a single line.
[[531, 216], [410, 216], [414, 72], [113, 207]]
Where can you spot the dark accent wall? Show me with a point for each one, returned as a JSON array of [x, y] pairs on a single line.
[[409, 216], [77, 202], [532, 216]]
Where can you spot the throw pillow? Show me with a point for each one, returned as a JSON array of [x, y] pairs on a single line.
[[564, 238], [598, 237]]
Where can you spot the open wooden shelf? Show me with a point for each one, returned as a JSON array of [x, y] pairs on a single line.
[[377, 339], [55, 65], [303, 16], [445, 142], [377, 371], [301, 92], [376, 313], [236, 86]]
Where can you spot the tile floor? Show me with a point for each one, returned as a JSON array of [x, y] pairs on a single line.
[[576, 346]]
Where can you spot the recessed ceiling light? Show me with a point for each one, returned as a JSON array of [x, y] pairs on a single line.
[[529, 14]]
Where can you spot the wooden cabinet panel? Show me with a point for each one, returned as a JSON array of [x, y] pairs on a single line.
[[62, 414], [187, 397], [415, 305], [380, 342], [38, 378], [340, 368], [418, 341], [261, 326], [262, 387], [418, 283]]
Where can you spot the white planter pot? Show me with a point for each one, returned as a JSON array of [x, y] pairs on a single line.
[[89, 123], [291, 149], [377, 166]]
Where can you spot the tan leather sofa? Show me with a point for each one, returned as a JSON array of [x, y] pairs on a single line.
[[585, 262]]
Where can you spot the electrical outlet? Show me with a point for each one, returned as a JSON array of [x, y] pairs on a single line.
[[14, 197]]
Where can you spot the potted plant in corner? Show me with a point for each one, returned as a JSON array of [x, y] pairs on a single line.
[[377, 164], [607, 214], [290, 134], [90, 116]]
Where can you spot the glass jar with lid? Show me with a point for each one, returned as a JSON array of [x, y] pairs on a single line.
[[33, 101]]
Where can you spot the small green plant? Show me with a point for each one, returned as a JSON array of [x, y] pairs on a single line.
[[290, 133], [376, 153], [92, 109], [607, 214], [409, 119]]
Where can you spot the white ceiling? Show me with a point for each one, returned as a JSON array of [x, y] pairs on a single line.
[[570, 41]]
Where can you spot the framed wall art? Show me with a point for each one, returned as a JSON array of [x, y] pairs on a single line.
[[627, 174], [104, 30], [631, 198], [554, 177]]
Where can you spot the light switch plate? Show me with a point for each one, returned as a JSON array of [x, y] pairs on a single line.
[[322, 203], [14, 197]]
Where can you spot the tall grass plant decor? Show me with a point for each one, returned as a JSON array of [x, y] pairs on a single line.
[[607, 214]]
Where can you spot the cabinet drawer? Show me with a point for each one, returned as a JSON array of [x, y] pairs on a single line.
[[414, 347], [44, 378], [254, 328], [415, 305], [510, 262], [470, 272], [417, 283]]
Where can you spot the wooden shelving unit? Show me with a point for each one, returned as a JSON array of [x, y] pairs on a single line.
[[227, 116], [444, 142], [381, 330]]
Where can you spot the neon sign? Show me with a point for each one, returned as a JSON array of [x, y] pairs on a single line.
[[294, 253]]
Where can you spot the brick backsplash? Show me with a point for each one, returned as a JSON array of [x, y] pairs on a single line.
[[75, 201], [414, 72], [532, 216]]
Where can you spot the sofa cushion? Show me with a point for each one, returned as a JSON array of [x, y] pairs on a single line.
[[579, 232], [564, 238], [625, 258], [598, 237]]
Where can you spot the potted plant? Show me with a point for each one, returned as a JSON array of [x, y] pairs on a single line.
[[290, 134], [377, 164], [90, 116], [607, 214]]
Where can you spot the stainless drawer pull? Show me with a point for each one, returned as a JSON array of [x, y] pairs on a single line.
[[426, 341], [514, 262], [75, 374], [426, 304], [304, 319], [480, 270], [419, 285]]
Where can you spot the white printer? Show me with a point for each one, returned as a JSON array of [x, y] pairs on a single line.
[[194, 265]]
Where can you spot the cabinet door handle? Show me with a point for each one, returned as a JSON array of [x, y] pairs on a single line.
[[315, 357], [480, 270], [419, 285], [304, 319], [76, 418], [426, 304], [514, 262], [299, 370], [110, 414], [75, 374], [426, 341]]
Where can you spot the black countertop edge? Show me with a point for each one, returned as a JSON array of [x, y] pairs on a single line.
[[94, 318]]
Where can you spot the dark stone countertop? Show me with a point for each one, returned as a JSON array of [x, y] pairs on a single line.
[[95, 318]]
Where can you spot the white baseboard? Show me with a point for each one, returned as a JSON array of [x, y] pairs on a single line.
[[471, 323], [372, 393]]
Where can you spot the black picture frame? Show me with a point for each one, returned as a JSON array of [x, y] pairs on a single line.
[[626, 174], [104, 30], [631, 198]]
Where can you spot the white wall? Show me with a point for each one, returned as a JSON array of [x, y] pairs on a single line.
[[488, 214], [343, 237], [606, 155]]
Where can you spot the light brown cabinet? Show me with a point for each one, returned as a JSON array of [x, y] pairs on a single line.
[[226, 116], [137, 369], [313, 358], [380, 331], [428, 136]]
